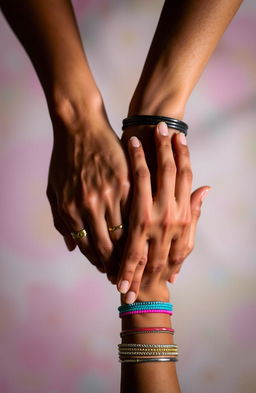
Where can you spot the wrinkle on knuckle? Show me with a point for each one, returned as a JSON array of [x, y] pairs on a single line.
[[177, 260], [141, 173], [155, 268], [105, 249], [186, 173], [169, 167], [133, 256]]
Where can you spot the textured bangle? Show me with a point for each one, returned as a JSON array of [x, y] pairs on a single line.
[[143, 305], [131, 332], [151, 353], [148, 360], [134, 345], [124, 314], [154, 120]]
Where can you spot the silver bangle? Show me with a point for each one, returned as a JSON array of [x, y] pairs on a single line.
[[148, 360]]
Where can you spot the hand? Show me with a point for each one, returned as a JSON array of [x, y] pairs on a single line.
[[159, 219], [88, 188]]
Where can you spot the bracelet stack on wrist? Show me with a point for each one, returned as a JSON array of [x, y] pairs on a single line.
[[138, 120], [143, 353]]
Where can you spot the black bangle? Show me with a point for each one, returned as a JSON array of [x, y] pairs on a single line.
[[138, 120]]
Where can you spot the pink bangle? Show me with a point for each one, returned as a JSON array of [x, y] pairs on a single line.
[[123, 314]]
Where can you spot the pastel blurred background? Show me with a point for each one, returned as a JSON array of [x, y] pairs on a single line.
[[58, 321]]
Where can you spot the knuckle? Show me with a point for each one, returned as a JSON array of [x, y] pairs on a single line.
[[169, 167], [90, 200], [142, 172], [155, 268], [186, 173], [196, 212], [67, 208], [133, 256], [105, 249], [177, 259], [144, 224], [142, 262], [184, 151]]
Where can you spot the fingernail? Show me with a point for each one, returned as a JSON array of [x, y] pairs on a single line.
[[130, 297], [135, 141], [162, 128], [204, 194], [183, 139], [174, 278], [123, 286]]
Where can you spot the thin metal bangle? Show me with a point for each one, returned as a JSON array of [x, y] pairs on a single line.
[[129, 354], [145, 331], [148, 360], [133, 345]]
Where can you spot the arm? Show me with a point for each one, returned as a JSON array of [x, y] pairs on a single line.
[[186, 36], [88, 176], [159, 377]]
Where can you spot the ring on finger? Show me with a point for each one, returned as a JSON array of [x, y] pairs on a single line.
[[79, 234], [115, 227]]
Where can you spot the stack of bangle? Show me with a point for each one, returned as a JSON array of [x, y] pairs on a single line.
[[131, 332], [143, 353], [140, 352], [145, 307], [154, 120]]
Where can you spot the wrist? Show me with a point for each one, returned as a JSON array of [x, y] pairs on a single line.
[[73, 108], [158, 292]]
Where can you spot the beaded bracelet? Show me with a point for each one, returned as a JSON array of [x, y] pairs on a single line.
[[145, 307], [154, 120]]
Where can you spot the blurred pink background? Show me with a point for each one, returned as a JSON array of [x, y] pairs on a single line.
[[59, 326]]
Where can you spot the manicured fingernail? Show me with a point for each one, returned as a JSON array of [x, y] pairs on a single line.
[[135, 141], [162, 128], [174, 278], [130, 297], [204, 194], [183, 139], [123, 286]]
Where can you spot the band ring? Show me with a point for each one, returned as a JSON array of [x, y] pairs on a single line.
[[114, 228], [79, 234]]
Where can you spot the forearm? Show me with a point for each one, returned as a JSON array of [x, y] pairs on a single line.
[[185, 38], [149, 377], [49, 34]]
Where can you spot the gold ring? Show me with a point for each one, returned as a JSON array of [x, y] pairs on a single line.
[[112, 229], [79, 234]]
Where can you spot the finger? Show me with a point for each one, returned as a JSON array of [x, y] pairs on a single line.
[[74, 223], [166, 168], [100, 238], [184, 175], [184, 245], [137, 277], [157, 258], [140, 218], [179, 250], [196, 201], [59, 224]]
